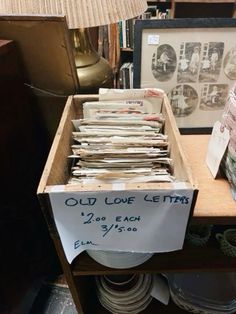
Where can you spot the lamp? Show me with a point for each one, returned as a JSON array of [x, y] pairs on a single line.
[[93, 71]]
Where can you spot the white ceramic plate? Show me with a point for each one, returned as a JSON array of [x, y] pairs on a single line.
[[119, 259]]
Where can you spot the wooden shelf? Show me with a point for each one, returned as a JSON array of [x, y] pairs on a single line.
[[189, 259], [215, 204]]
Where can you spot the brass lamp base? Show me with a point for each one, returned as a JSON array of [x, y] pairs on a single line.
[[93, 71]]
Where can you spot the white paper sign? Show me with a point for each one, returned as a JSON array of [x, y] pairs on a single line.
[[216, 148], [131, 221], [153, 39]]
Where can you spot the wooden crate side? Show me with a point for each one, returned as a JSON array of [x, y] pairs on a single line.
[[56, 169], [182, 168]]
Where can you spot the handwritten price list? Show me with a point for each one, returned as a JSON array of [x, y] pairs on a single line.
[[119, 223], [90, 218], [121, 220]]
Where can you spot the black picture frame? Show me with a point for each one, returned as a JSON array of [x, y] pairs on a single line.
[[194, 91]]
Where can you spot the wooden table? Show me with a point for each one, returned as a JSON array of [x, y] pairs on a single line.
[[215, 204]]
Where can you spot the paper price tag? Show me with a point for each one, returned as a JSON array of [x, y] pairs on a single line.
[[153, 39], [216, 148]]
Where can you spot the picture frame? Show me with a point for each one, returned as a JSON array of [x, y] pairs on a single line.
[[193, 61]]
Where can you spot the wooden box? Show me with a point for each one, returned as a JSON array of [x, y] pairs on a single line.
[[57, 168], [57, 172]]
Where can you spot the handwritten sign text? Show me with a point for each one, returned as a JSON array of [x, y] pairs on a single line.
[[137, 221]]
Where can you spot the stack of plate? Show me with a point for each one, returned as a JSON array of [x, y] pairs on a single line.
[[131, 296], [204, 293], [115, 259]]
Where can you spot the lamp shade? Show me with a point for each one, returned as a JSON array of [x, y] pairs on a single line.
[[79, 13]]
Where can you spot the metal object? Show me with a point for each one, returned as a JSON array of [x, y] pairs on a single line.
[[93, 71]]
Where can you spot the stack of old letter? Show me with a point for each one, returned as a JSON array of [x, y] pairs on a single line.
[[120, 142]]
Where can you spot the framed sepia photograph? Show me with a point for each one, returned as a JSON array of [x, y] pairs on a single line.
[[193, 61]]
